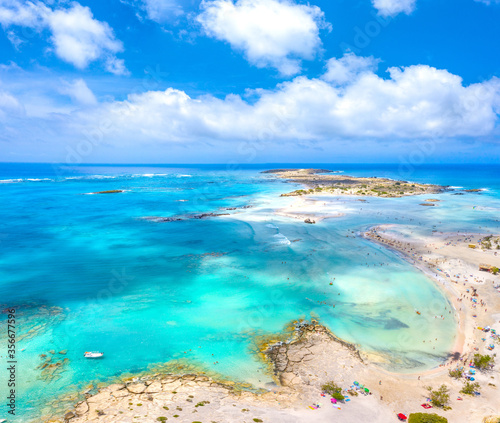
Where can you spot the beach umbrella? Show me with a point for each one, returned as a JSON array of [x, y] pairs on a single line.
[[402, 417]]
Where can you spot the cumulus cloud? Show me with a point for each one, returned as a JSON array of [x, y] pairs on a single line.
[[348, 68], [413, 102], [76, 36], [348, 103], [394, 7], [276, 33], [79, 92]]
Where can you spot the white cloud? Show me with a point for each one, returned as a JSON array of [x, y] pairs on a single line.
[[30, 14], [276, 33], [348, 68], [14, 39], [414, 102], [9, 105], [76, 36], [159, 11], [116, 66], [333, 110], [394, 7], [79, 38], [79, 92]]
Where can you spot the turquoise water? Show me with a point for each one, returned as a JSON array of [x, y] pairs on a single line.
[[88, 272]]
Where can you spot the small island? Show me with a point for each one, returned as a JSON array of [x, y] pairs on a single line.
[[320, 181]]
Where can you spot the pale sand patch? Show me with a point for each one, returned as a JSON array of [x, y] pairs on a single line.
[[311, 208]]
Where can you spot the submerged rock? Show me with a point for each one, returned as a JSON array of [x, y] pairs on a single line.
[[111, 191], [69, 415]]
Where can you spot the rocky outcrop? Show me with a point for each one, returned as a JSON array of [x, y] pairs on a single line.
[[197, 397], [288, 359]]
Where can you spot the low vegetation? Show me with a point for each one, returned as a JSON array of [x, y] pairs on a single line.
[[456, 373], [440, 397], [483, 362], [426, 418], [469, 388], [332, 389]]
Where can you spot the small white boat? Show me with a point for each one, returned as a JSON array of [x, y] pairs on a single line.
[[93, 354]]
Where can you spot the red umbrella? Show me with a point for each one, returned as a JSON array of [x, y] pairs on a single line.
[[402, 417]]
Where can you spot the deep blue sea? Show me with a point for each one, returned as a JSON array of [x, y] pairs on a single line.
[[103, 272]]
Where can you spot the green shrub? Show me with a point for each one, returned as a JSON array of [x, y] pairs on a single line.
[[202, 403], [333, 390], [483, 362], [456, 373], [426, 418], [469, 388], [162, 419], [440, 397]]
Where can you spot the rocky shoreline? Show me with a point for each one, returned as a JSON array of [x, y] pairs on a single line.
[[311, 357], [200, 398]]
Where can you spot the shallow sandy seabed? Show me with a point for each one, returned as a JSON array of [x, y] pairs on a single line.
[[314, 356]]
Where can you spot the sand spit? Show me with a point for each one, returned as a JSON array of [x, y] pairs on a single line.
[[309, 208]]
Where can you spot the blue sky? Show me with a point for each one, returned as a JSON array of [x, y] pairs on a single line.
[[246, 81]]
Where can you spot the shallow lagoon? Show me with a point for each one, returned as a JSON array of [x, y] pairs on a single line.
[[146, 292]]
